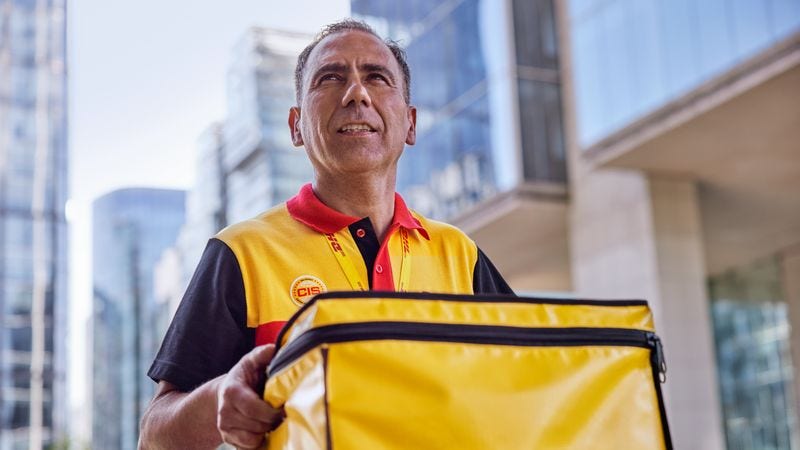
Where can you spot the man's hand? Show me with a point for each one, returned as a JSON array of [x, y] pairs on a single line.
[[242, 416]]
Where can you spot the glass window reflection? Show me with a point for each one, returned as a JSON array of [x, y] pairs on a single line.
[[632, 56], [751, 331]]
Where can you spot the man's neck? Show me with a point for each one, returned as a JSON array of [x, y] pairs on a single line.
[[371, 197]]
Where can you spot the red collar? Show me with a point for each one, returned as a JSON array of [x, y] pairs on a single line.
[[306, 208]]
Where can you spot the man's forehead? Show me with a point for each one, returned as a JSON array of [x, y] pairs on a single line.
[[352, 43]]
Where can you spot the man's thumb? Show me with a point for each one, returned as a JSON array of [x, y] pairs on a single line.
[[262, 355]]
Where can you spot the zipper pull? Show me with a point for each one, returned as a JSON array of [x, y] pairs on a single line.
[[658, 349]]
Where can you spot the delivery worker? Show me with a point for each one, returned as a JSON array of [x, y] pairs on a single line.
[[347, 230]]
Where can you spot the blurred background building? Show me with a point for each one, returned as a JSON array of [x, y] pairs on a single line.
[[132, 227], [685, 171], [490, 145], [247, 163], [33, 248], [677, 123], [260, 166]]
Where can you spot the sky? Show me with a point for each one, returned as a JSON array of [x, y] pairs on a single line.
[[145, 79]]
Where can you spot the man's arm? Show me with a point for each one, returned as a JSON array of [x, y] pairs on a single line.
[[227, 408], [177, 419]]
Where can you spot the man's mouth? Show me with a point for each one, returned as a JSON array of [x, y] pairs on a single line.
[[356, 128]]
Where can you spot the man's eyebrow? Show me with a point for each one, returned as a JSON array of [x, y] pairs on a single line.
[[328, 68], [380, 68]]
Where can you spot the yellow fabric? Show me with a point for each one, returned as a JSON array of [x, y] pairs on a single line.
[[408, 394], [274, 250], [305, 412]]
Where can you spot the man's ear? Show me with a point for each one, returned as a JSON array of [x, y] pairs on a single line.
[[294, 126], [411, 136]]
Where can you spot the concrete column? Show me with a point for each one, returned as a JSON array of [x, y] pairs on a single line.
[[639, 237], [685, 319]]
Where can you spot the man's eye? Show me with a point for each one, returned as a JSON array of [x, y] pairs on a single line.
[[378, 77], [329, 77]]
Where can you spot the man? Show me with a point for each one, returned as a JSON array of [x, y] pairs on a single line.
[[346, 231]]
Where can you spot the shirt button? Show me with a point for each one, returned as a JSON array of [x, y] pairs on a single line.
[[378, 268], [361, 233]]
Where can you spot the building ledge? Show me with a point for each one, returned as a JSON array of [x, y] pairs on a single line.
[[737, 137], [614, 150], [524, 233]]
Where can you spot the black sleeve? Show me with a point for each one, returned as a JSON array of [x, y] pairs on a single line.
[[486, 279], [209, 333]]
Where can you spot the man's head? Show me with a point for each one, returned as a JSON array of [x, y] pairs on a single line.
[[350, 25], [353, 115]]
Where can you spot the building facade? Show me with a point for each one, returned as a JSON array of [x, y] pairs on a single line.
[[486, 84], [246, 163], [682, 127], [679, 127], [33, 250], [131, 229], [261, 167], [206, 209]]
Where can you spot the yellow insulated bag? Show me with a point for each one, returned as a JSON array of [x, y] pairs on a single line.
[[372, 370]]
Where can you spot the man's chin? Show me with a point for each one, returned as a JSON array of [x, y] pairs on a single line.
[[365, 162]]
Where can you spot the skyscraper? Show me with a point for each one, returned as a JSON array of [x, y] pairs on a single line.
[[33, 192], [206, 204], [246, 163], [261, 167], [131, 228]]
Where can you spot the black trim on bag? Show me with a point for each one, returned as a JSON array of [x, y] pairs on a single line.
[[328, 439], [494, 298], [481, 298], [458, 333]]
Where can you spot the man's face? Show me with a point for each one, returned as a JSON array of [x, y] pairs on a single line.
[[353, 117]]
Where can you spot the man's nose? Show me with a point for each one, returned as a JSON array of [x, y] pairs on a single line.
[[356, 93]]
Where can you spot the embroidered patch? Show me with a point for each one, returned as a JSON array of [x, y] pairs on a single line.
[[304, 287]]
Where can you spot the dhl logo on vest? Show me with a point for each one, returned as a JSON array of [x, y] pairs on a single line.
[[304, 287]]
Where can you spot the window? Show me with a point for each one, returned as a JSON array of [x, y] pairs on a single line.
[[751, 330], [542, 142]]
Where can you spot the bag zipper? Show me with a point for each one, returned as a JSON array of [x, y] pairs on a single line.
[[475, 334], [481, 298], [659, 365]]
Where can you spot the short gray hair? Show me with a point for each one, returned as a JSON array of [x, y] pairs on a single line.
[[351, 25]]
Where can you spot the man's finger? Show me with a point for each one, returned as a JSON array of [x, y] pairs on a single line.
[[261, 355], [243, 439], [251, 405], [239, 422]]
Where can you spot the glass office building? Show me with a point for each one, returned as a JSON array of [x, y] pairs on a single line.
[[486, 86], [246, 163], [33, 251], [633, 56], [261, 167], [131, 229], [206, 206]]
